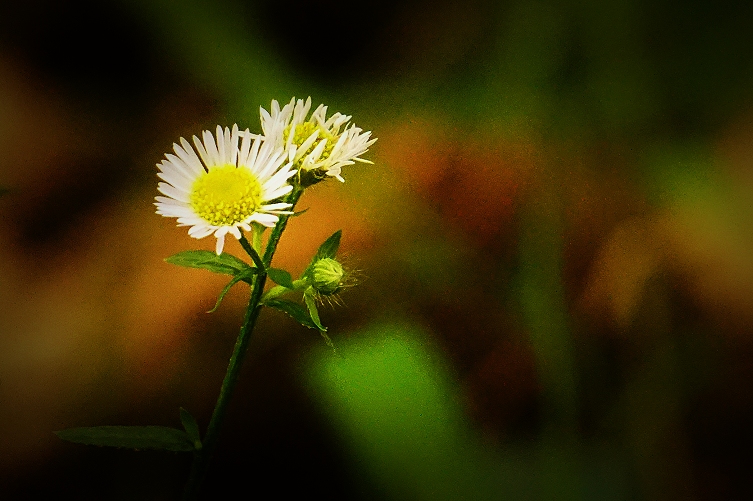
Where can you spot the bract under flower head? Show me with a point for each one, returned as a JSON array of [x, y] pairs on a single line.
[[318, 146], [226, 187]]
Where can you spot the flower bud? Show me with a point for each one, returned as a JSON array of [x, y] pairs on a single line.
[[326, 276]]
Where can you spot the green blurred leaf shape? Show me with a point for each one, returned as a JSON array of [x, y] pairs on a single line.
[[131, 437], [208, 260], [392, 400]]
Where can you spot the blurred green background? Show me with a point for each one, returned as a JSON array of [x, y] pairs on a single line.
[[554, 244]]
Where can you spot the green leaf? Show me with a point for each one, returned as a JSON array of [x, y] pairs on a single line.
[[280, 277], [130, 437], [299, 313], [311, 304], [329, 248], [299, 213], [243, 276], [191, 427], [295, 310], [208, 260]]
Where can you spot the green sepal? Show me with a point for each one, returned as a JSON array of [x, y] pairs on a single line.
[[299, 213], [280, 277], [311, 304], [241, 277], [208, 260], [191, 427], [329, 248], [313, 312], [131, 437], [295, 310]]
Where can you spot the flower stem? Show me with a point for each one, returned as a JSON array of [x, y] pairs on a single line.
[[274, 238], [201, 457], [252, 252]]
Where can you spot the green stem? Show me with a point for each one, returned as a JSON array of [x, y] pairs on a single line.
[[280, 226], [252, 252], [256, 236], [201, 457], [279, 290], [274, 293]]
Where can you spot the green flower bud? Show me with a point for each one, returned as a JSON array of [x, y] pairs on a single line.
[[327, 276]]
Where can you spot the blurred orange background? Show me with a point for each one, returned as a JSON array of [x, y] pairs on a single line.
[[559, 214]]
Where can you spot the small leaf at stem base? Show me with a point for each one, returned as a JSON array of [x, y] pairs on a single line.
[[191, 427], [131, 437]]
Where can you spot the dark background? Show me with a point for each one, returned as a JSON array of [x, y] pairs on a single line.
[[554, 250]]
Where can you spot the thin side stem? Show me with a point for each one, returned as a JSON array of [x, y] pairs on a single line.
[[252, 252]]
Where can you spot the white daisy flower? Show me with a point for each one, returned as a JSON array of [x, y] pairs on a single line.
[[225, 187], [318, 146]]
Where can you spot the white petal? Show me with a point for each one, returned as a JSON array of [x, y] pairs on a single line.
[[220, 243], [172, 201], [200, 231], [175, 211], [267, 220], [304, 147], [202, 152], [189, 156], [245, 147], [174, 163], [275, 158], [222, 146], [173, 192], [176, 180], [233, 230], [278, 180], [316, 153], [194, 220], [275, 207], [211, 148], [276, 193]]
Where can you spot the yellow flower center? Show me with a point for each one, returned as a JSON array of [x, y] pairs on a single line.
[[226, 195], [304, 130]]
